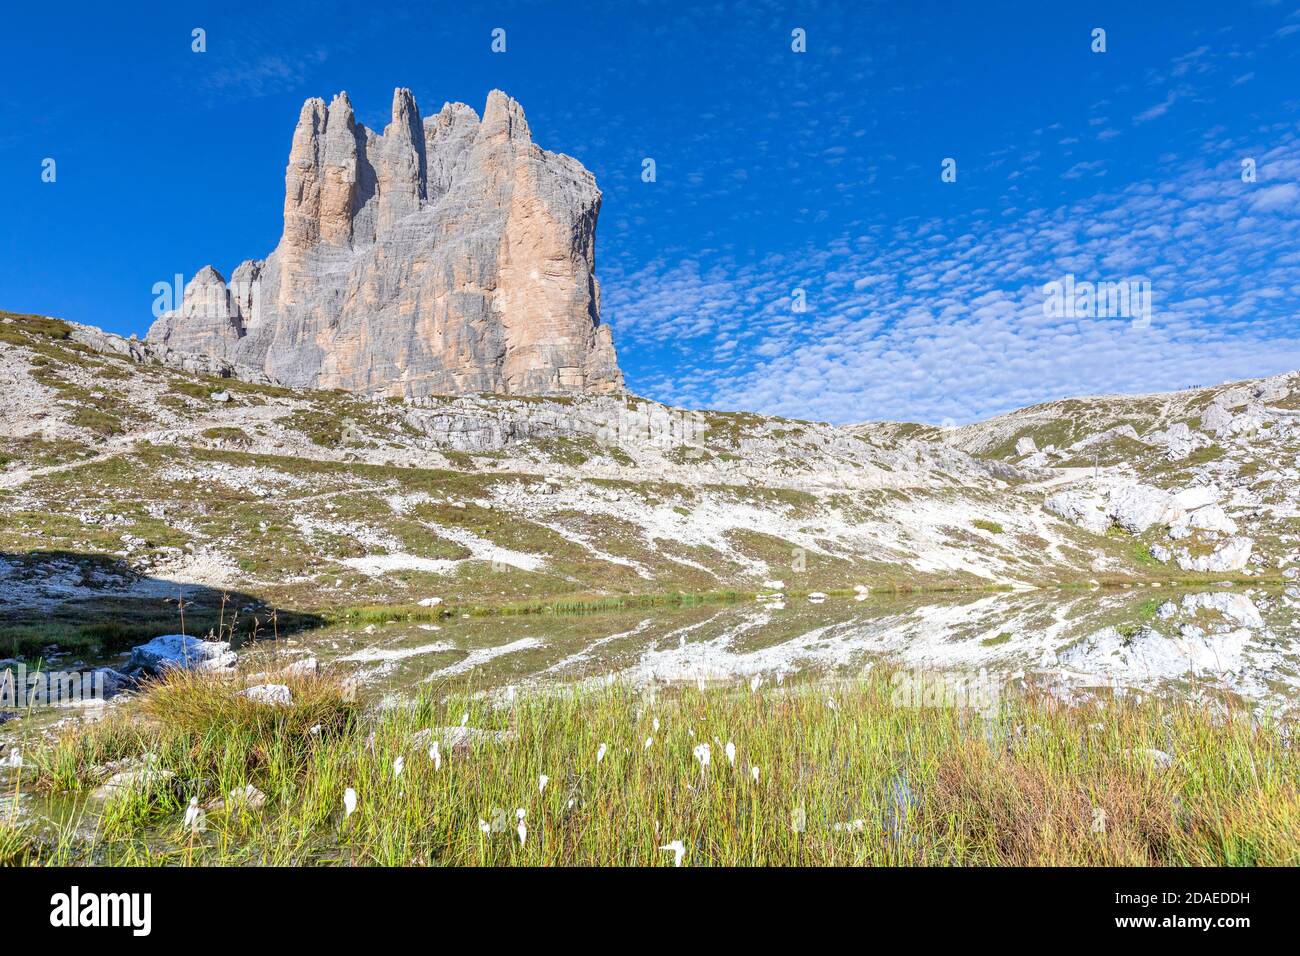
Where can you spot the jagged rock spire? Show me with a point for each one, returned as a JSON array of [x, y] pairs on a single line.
[[445, 255]]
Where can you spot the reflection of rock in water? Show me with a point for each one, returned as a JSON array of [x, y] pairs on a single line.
[[998, 735], [900, 804]]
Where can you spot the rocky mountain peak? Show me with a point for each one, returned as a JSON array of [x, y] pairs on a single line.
[[504, 117], [444, 255]]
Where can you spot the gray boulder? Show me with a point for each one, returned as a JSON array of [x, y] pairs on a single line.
[[1232, 555], [1137, 507], [1078, 509], [181, 651], [1211, 519]]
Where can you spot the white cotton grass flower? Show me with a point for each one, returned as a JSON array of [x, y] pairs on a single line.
[[655, 724], [600, 753], [704, 754], [484, 826], [315, 730], [830, 702], [196, 820], [755, 682], [349, 802], [648, 742], [731, 753], [522, 829], [542, 781], [753, 772], [436, 756], [398, 766], [678, 851], [464, 718]]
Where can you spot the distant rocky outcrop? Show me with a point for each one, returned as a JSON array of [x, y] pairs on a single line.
[[448, 255]]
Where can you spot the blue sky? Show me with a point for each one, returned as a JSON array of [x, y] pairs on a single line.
[[776, 171]]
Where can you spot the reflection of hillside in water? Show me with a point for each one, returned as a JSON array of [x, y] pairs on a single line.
[[1242, 641]]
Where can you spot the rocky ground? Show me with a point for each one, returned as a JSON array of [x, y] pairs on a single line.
[[131, 476]]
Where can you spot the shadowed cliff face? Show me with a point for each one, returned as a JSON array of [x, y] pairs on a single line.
[[448, 255]]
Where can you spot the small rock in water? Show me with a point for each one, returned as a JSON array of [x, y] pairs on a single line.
[[247, 797], [133, 781]]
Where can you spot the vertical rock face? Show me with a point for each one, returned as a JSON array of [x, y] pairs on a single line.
[[445, 256]]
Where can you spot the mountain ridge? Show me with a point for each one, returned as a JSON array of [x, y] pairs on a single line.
[[131, 475]]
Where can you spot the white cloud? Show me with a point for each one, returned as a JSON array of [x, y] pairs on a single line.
[[1276, 198], [944, 319]]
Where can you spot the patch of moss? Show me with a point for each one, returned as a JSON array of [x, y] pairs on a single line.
[[687, 455], [19, 328], [463, 461], [99, 422], [1203, 456], [1142, 554], [321, 428], [233, 436], [198, 390]]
